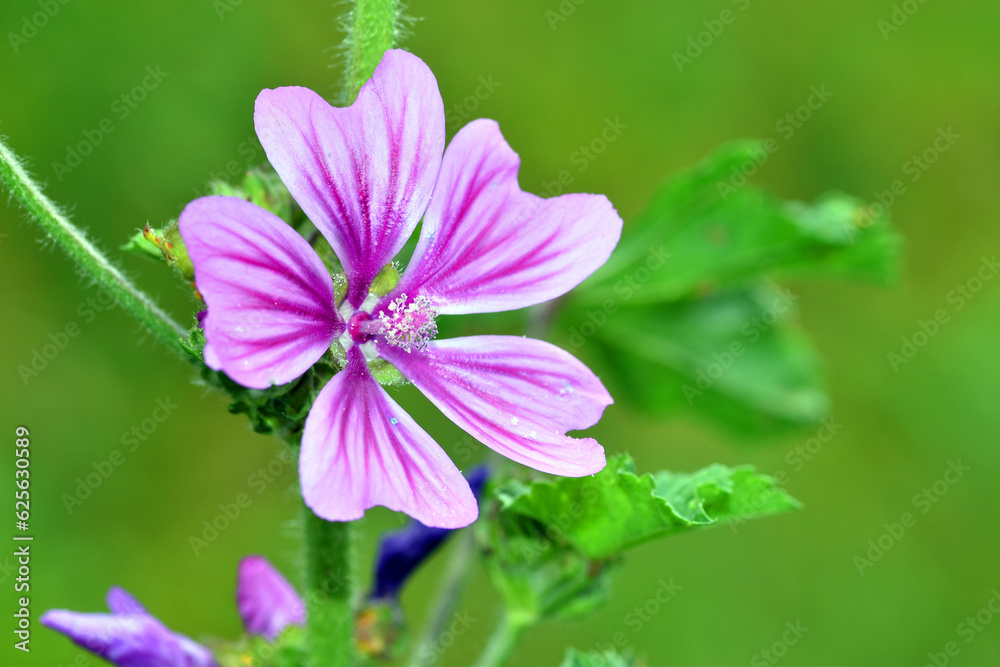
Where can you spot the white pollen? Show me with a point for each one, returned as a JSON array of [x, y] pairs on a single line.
[[408, 325], [513, 421]]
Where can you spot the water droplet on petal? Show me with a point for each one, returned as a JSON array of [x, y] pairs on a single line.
[[393, 421]]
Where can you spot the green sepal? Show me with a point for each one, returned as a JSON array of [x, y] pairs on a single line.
[[339, 285], [386, 280], [139, 244], [166, 245], [385, 373], [175, 252]]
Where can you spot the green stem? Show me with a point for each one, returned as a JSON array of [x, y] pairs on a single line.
[[456, 576], [373, 27], [503, 642], [75, 243], [330, 615]]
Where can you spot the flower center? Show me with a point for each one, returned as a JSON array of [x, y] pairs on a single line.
[[361, 327], [408, 325]]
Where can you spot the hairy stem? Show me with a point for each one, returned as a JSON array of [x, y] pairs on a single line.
[[503, 642], [330, 615], [456, 576], [373, 27], [81, 250]]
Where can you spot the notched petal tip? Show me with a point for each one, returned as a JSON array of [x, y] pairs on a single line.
[[363, 174], [488, 246], [361, 449]]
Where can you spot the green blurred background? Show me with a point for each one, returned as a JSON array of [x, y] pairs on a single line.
[[555, 86]]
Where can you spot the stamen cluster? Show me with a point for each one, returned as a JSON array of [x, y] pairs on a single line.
[[409, 326]]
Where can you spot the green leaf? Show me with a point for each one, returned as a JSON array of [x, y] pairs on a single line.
[[540, 577], [576, 658], [601, 516], [734, 358], [715, 235]]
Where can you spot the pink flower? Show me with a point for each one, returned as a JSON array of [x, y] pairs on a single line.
[[266, 601], [365, 175]]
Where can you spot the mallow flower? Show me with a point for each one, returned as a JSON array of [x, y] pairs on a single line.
[[365, 175], [129, 636]]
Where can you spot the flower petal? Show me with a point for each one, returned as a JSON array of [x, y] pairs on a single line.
[[266, 601], [360, 449], [517, 396], [401, 552], [271, 303], [122, 603], [486, 246], [129, 637], [363, 174]]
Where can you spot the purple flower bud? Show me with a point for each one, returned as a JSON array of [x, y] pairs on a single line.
[[401, 552], [200, 316], [129, 636], [266, 601]]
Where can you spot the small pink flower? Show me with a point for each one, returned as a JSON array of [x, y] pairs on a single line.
[[266, 601], [365, 175]]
